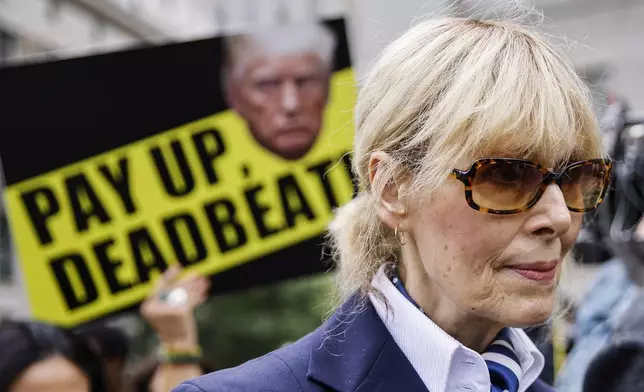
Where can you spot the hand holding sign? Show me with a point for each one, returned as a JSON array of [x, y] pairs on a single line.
[[169, 309]]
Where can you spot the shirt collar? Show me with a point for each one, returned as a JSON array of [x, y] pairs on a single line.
[[438, 358]]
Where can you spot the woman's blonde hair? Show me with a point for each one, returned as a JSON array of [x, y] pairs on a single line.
[[448, 90]]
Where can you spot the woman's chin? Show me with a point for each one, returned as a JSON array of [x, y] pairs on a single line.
[[529, 313]]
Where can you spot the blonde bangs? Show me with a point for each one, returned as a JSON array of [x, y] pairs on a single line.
[[533, 110], [508, 94]]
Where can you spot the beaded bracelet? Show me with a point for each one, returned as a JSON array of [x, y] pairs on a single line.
[[181, 357]]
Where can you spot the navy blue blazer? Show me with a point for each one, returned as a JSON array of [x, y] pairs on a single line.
[[352, 351]]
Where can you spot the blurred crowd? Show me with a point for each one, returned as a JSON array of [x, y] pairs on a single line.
[[40, 357], [605, 346]]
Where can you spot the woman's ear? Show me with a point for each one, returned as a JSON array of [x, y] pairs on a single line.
[[391, 207]]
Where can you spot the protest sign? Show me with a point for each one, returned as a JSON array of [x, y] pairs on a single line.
[[227, 155]]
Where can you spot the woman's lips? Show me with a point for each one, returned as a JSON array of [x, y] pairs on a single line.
[[541, 271]]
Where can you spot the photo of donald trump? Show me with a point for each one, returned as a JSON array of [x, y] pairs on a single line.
[[277, 80]]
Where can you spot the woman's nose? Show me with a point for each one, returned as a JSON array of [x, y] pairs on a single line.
[[551, 216]]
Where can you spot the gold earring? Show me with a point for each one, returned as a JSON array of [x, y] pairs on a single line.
[[399, 235]]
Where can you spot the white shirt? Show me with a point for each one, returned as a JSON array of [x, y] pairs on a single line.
[[443, 363]]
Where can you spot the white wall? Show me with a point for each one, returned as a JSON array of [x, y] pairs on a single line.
[[80, 27], [374, 23], [606, 33], [52, 28], [597, 32], [239, 15], [181, 19]]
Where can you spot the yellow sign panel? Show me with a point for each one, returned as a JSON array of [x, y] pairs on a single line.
[[92, 235]]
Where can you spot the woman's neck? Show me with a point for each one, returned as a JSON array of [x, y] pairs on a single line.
[[470, 330]]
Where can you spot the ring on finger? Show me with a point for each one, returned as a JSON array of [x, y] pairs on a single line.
[[176, 297]]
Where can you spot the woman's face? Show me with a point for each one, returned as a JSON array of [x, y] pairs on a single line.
[[53, 374], [503, 268]]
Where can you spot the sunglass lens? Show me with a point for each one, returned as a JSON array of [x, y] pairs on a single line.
[[505, 185], [582, 186]]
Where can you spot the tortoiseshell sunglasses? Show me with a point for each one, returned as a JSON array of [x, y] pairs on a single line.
[[510, 186]]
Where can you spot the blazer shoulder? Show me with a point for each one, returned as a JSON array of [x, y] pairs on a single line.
[[281, 370]]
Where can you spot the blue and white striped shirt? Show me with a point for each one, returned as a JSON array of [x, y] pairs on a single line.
[[443, 363]]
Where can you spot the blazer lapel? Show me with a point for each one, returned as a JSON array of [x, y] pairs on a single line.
[[353, 351]]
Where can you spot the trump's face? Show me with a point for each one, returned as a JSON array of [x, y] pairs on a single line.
[[282, 98]]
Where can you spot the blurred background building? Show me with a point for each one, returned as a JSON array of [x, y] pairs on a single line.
[[604, 38]]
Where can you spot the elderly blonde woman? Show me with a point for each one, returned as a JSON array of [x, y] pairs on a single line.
[[477, 152]]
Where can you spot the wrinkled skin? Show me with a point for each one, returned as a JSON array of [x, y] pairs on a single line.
[[456, 262]]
